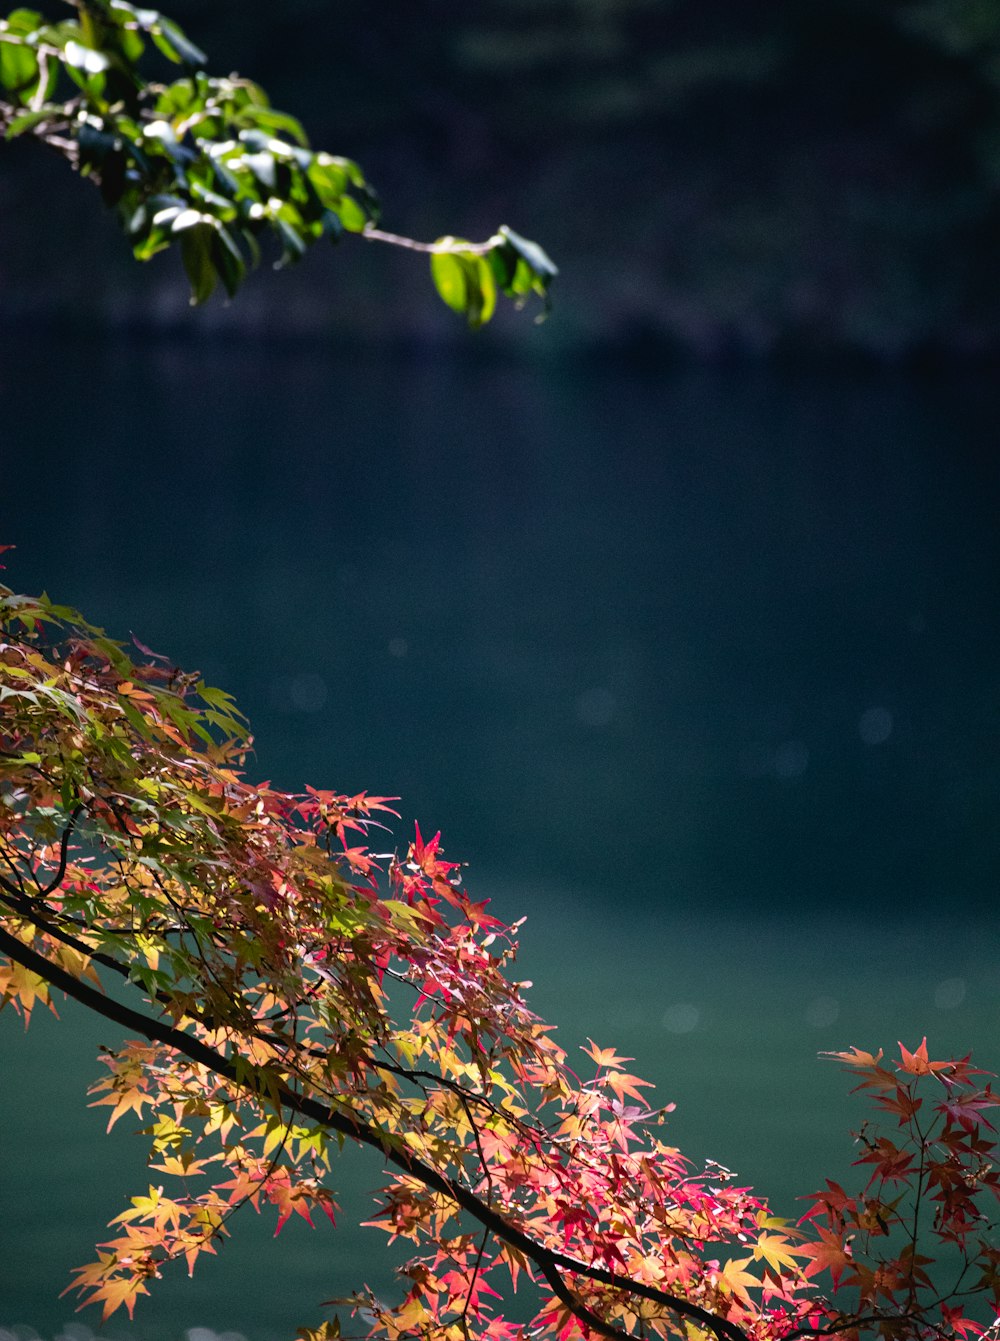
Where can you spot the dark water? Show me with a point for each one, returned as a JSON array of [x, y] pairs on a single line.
[[698, 669]]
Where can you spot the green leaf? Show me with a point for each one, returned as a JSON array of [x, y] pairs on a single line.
[[156, 240], [328, 178], [231, 268], [23, 21], [187, 218], [466, 282], [177, 98], [218, 698], [257, 141], [157, 207], [221, 205], [132, 45], [173, 43], [226, 179], [162, 133], [353, 215], [281, 123], [503, 262], [264, 168], [18, 67], [530, 252], [486, 290], [196, 252], [95, 145], [252, 245], [331, 226], [28, 121], [145, 18], [293, 247], [521, 267], [449, 277]]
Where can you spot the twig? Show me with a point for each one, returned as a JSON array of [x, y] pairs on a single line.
[[374, 234]]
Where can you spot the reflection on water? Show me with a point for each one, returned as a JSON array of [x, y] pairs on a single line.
[[697, 669]]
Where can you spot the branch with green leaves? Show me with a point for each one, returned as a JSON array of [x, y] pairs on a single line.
[[207, 164]]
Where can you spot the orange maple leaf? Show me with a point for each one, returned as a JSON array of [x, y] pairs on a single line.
[[604, 1056], [829, 1254], [622, 1083], [856, 1057], [916, 1063]]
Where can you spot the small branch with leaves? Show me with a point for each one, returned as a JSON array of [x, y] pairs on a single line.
[[206, 164]]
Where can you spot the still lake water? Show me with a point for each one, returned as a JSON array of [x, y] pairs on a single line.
[[698, 669]]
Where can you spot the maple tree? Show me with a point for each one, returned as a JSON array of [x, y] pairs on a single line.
[[291, 992], [206, 163]]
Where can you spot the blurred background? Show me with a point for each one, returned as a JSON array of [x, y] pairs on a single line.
[[675, 613]]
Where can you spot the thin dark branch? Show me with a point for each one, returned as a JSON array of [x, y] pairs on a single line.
[[479, 1149], [472, 1282], [17, 888], [597, 1324], [57, 879], [849, 1322], [26, 907]]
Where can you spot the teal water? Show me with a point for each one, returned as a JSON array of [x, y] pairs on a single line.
[[698, 670]]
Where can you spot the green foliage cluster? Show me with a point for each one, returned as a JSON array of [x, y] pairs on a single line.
[[207, 163]]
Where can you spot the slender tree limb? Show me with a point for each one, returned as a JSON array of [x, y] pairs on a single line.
[[373, 234], [67, 833]]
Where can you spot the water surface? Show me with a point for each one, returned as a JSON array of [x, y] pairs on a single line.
[[697, 669]]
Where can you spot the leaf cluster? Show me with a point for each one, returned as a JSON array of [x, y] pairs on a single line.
[[205, 163], [289, 992], [918, 1239]]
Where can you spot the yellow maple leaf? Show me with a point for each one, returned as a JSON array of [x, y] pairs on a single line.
[[732, 1278], [123, 1101], [776, 1251]]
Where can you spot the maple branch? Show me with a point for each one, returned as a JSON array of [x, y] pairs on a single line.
[[416, 1076], [549, 1262], [479, 1149], [918, 1195], [472, 1281], [848, 1322], [57, 879], [4, 882], [25, 906], [577, 1307]]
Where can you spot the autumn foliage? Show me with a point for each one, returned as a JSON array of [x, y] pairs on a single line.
[[288, 993]]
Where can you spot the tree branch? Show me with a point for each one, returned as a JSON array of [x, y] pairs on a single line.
[[57, 879], [373, 234]]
